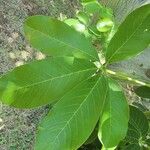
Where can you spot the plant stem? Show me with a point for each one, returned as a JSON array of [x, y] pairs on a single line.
[[126, 77]]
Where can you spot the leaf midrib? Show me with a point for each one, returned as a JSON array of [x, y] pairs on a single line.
[[128, 38], [62, 76], [75, 48], [74, 114]]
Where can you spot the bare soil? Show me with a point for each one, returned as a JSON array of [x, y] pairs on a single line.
[[17, 127]]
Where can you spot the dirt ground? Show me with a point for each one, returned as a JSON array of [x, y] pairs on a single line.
[[17, 127]]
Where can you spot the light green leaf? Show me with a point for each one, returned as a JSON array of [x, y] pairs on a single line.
[[83, 17], [73, 118], [143, 91], [92, 7], [76, 24], [132, 37], [137, 131], [56, 38], [43, 82], [104, 25], [71, 21], [95, 8], [114, 121]]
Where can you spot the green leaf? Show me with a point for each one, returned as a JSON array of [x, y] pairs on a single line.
[[137, 131], [114, 121], [75, 24], [73, 117], [132, 37], [83, 17], [56, 38], [71, 21], [92, 7], [95, 8], [43, 82], [143, 91], [104, 25]]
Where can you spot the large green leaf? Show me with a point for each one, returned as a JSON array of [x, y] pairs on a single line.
[[137, 131], [42, 82], [73, 118], [132, 37], [143, 91], [56, 38], [114, 121]]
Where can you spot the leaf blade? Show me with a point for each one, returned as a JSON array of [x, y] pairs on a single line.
[[130, 40], [143, 91], [44, 81], [114, 120], [56, 38], [85, 102]]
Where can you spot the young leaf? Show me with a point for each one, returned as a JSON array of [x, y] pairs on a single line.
[[137, 131], [94, 7], [104, 25], [73, 118], [56, 38], [83, 17], [75, 24], [143, 91], [71, 21], [42, 82], [115, 117], [132, 37]]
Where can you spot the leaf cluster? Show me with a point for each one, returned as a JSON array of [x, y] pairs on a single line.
[[75, 78]]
